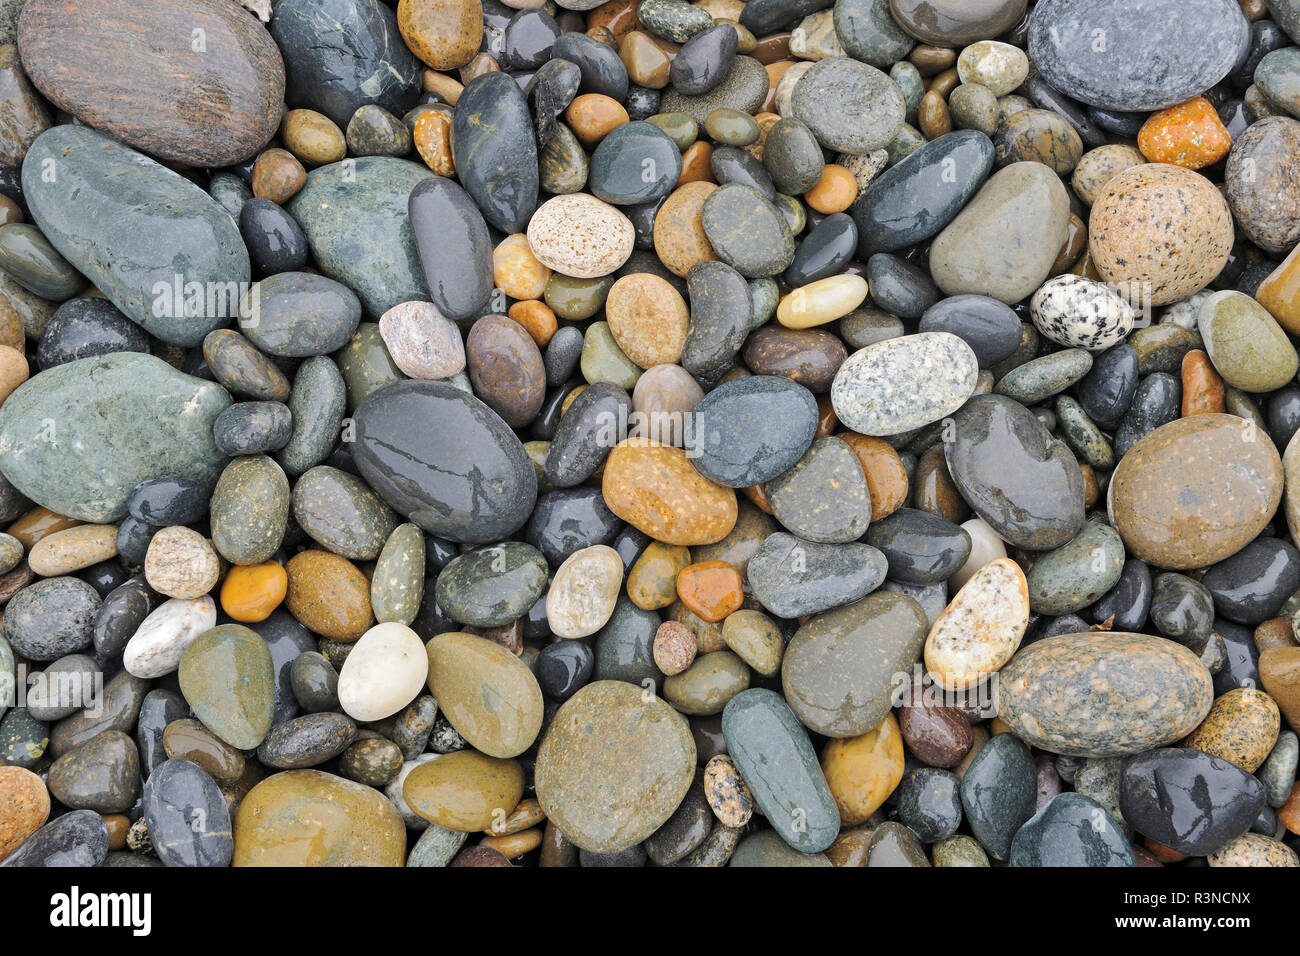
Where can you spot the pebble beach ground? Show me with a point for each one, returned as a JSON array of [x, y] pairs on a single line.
[[771, 433]]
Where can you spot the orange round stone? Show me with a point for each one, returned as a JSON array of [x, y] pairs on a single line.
[[537, 319], [39, 523], [593, 116], [697, 163], [834, 192], [648, 319], [516, 271], [277, 176], [885, 471], [13, 370], [1203, 389], [432, 137], [679, 236], [657, 490], [618, 16], [251, 592], [1189, 135], [710, 589]]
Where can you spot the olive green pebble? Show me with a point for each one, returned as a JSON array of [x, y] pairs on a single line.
[[373, 761], [576, 299], [1081, 433], [973, 106], [906, 141], [764, 294], [1238, 403], [679, 127], [792, 210], [755, 639], [11, 552], [398, 582], [959, 850], [1044, 377], [562, 164], [603, 361], [731, 127]]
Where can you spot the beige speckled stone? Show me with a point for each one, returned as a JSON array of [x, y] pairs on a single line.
[[423, 342], [1254, 849], [584, 591], [578, 235], [981, 628], [998, 66], [1161, 231], [181, 563], [815, 38], [73, 549], [1099, 166], [1241, 727], [728, 796]]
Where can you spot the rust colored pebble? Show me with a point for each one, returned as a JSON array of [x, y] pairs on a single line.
[[480, 855], [674, 647], [593, 116], [1203, 389], [697, 163], [514, 845], [710, 589], [758, 496], [834, 192], [277, 176], [537, 319], [933, 117], [1190, 135], [1276, 632], [1289, 813], [432, 137], [827, 420]]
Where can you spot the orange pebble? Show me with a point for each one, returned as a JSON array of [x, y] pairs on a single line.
[[516, 271], [1164, 853], [1289, 812], [697, 163], [251, 592], [568, 399], [593, 116], [37, 524], [1189, 135], [13, 370], [537, 319], [827, 420], [758, 496], [834, 192], [277, 176], [1203, 389], [710, 589], [514, 845], [433, 142]]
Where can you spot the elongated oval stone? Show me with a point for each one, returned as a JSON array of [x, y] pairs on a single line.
[[776, 759], [463, 475], [900, 384], [496, 150], [454, 247], [227, 678], [749, 431], [130, 70], [494, 585], [487, 693], [1103, 695], [161, 249], [79, 437], [189, 821]]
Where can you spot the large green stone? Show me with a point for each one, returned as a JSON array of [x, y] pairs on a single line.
[[228, 680], [78, 437]]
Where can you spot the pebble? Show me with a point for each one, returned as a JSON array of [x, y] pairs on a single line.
[[489, 695]]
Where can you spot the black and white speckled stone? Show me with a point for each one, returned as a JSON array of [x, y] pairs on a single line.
[[1078, 312], [904, 383]]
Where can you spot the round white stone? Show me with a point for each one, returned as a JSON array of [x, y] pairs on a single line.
[[384, 671]]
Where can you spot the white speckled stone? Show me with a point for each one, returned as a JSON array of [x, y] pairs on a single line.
[[981, 628], [985, 546], [181, 563], [384, 671], [904, 383], [155, 649], [1185, 313], [998, 66], [1081, 313], [584, 591], [423, 342], [578, 235]]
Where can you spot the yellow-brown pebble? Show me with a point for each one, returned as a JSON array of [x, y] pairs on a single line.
[[445, 34], [516, 271], [679, 236], [657, 490], [329, 595], [313, 137], [537, 319], [648, 319], [725, 790], [822, 301], [834, 192], [1189, 135], [526, 815], [73, 549], [277, 176], [1099, 166], [593, 116], [432, 137], [514, 845], [25, 804], [13, 370], [440, 84], [465, 790], [181, 563], [1241, 727], [863, 771], [1254, 850], [652, 582]]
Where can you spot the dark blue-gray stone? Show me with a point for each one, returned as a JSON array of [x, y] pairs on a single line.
[[86, 327], [1251, 586], [252, 428], [792, 577], [463, 475], [120, 616], [722, 315], [634, 163], [746, 231], [51, 617], [869, 33], [762, 17], [793, 156], [1157, 401], [355, 216], [454, 247], [563, 668], [300, 314], [307, 741], [568, 520], [899, 287], [826, 249], [160, 708], [79, 437], [703, 60], [1072, 830], [1181, 608], [1107, 390], [1127, 603], [1151, 55], [929, 803], [287, 640], [316, 403], [776, 759], [78, 838], [998, 792], [602, 70], [921, 548], [189, 821], [751, 430], [582, 439], [340, 55], [914, 199], [159, 247], [275, 241], [494, 585], [496, 150], [1188, 800], [731, 164], [991, 328], [625, 645]]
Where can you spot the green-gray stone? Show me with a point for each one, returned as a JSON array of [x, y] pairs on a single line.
[[342, 513], [908, 79], [1044, 377], [1082, 434], [103, 774], [1161, 348], [79, 437], [768, 849], [708, 684], [35, 264], [1099, 780], [868, 32], [228, 680], [673, 20], [625, 646], [840, 668], [776, 759], [998, 792], [1245, 343], [354, 216], [306, 741], [603, 361], [32, 311], [365, 365], [144, 235], [893, 844], [373, 131], [250, 510], [494, 585], [23, 739], [1072, 830], [959, 850], [398, 582], [1077, 573], [824, 496], [436, 846], [973, 106], [1278, 772], [562, 163], [746, 231], [1278, 76], [681, 129], [763, 296], [743, 88], [317, 404]]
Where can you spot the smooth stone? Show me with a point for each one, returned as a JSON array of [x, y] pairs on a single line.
[[155, 649], [1078, 573], [78, 838], [496, 153], [730, 450], [35, 265], [840, 667], [1251, 586], [1247, 346], [744, 88], [579, 236], [705, 687], [227, 677], [64, 687], [1128, 602], [980, 629], [250, 510], [1107, 391], [989, 327], [354, 214], [117, 708], [300, 315], [103, 774], [275, 241], [487, 693], [849, 106], [870, 34], [188, 819], [86, 327], [341, 513], [721, 318], [998, 791], [50, 618], [1263, 184], [1071, 830], [150, 215], [609, 792], [483, 486], [793, 578], [921, 548], [929, 803], [905, 383], [803, 501], [492, 586], [746, 231], [251, 428], [314, 682], [624, 647], [1108, 695], [776, 759], [569, 519], [1189, 801], [580, 444], [583, 592], [634, 163], [385, 670], [954, 22], [316, 406], [1035, 503], [1080, 313], [810, 357], [703, 60]]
